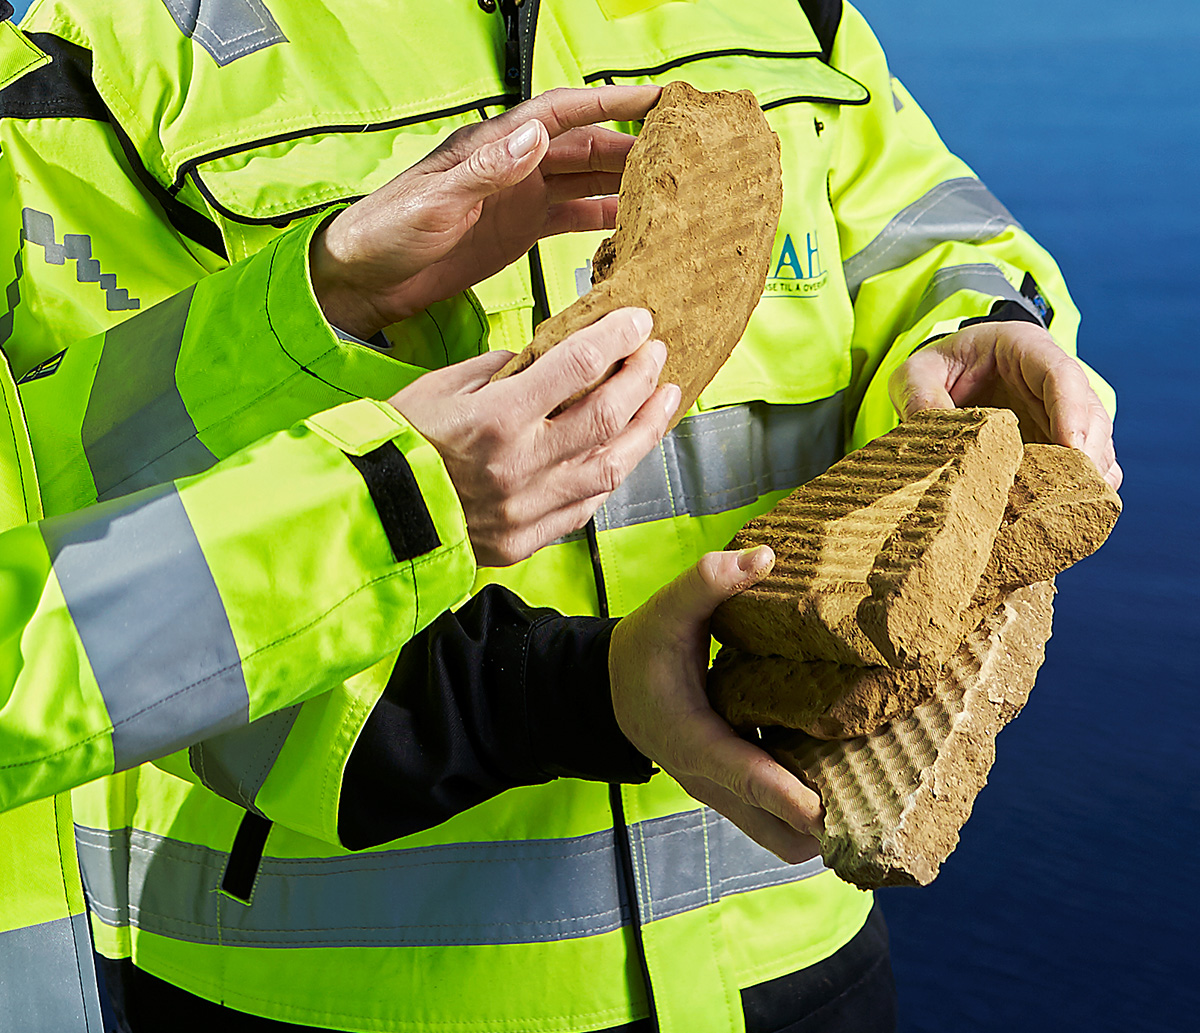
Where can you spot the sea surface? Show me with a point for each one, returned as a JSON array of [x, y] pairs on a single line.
[[1073, 902]]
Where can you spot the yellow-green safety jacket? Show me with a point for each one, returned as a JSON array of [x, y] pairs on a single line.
[[190, 135], [184, 608]]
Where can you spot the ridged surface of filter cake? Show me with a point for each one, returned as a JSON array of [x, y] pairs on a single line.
[[826, 700], [700, 200], [896, 800], [877, 558]]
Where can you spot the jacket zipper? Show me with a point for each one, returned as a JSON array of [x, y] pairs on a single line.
[[520, 28]]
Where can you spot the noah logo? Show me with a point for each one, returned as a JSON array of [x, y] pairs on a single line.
[[796, 270]]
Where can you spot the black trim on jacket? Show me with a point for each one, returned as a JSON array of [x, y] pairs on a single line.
[[824, 16], [64, 89]]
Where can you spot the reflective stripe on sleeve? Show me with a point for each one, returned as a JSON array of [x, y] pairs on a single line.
[[47, 979], [727, 458], [151, 621], [136, 430], [227, 29], [523, 891], [955, 210], [981, 277]]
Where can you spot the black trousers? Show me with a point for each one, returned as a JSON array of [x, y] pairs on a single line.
[[850, 992]]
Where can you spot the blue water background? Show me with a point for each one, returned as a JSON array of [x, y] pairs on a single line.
[[1073, 902]]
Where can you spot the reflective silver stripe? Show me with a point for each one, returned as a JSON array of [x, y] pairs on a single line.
[[524, 891], [958, 209], [981, 277], [136, 430], [47, 979], [38, 228], [227, 29], [151, 620], [722, 459], [236, 764]]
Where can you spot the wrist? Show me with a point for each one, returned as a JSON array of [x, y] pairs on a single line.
[[337, 287]]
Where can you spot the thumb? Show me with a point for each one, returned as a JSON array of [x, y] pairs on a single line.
[[919, 384], [691, 598], [500, 164]]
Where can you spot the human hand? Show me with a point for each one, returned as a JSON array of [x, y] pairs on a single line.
[[1011, 365], [525, 479], [658, 662], [477, 203]]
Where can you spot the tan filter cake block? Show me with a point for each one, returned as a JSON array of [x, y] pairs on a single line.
[[826, 700], [700, 200], [877, 558], [1060, 510], [896, 800]]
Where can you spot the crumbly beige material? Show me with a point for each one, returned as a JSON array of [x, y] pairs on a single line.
[[1059, 511], [895, 800], [700, 200], [827, 700], [877, 558]]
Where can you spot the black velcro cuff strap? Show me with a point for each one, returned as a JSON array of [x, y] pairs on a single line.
[[397, 496], [1004, 312]]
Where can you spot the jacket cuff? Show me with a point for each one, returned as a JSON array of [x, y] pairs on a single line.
[[568, 703]]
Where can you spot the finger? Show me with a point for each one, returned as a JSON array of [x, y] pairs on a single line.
[[581, 184], [592, 149], [691, 598], [461, 378], [602, 469], [590, 213], [784, 841], [564, 109], [577, 363], [921, 382], [602, 414], [750, 773], [495, 166]]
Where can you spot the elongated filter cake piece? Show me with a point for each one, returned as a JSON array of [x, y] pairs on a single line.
[[877, 558], [824, 699], [700, 201], [896, 800]]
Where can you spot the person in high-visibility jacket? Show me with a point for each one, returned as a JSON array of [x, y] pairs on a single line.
[[181, 610], [566, 906]]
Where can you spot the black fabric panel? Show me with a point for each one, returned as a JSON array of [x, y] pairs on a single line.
[[6, 10], [460, 720], [397, 498], [245, 856], [852, 991], [824, 16], [61, 89], [1003, 312]]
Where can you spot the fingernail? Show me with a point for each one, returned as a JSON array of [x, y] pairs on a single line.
[[658, 352], [524, 139], [1075, 439], [756, 559], [643, 321], [671, 397]]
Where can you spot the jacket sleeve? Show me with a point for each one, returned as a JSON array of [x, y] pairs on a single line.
[[194, 607], [925, 246]]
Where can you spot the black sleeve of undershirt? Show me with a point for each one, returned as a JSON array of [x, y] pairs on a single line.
[[494, 696]]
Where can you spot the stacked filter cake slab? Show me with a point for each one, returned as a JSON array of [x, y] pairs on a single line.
[[903, 625], [700, 200]]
